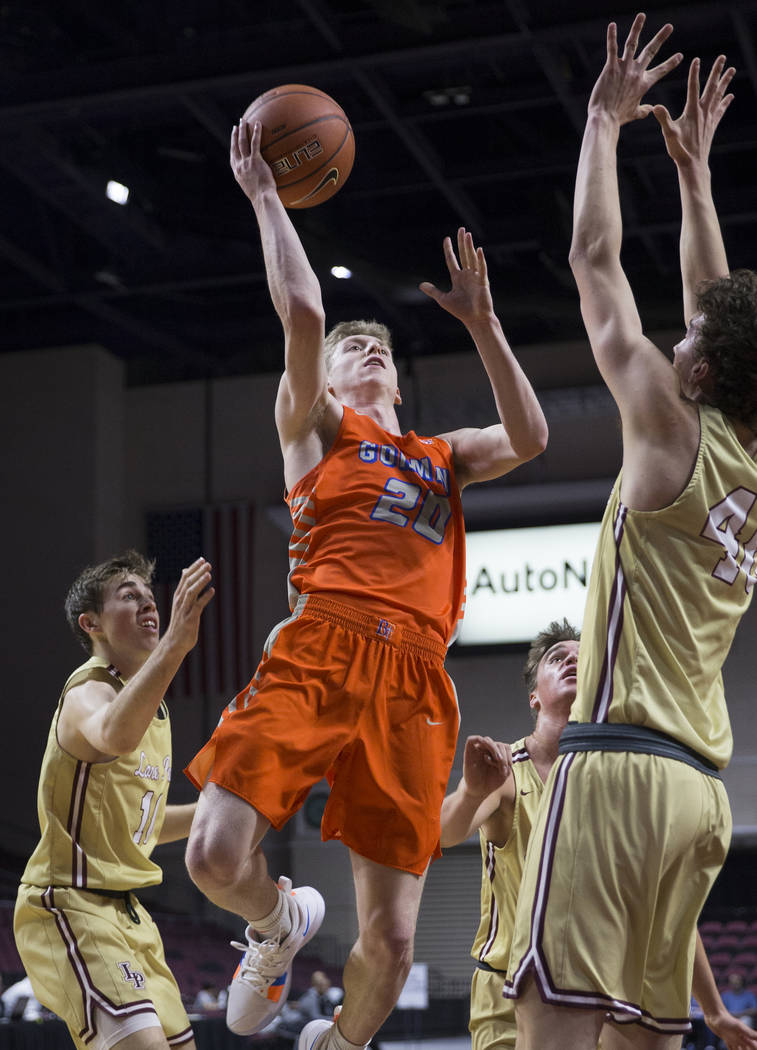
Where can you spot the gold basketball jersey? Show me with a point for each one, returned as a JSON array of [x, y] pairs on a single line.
[[99, 821], [502, 866], [667, 591]]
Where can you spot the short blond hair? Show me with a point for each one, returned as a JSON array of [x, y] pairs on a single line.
[[347, 328]]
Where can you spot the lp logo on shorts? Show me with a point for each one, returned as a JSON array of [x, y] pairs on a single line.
[[132, 976]]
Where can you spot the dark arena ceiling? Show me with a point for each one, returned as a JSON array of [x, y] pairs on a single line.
[[465, 112]]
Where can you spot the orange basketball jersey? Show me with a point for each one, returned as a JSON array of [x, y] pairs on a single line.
[[378, 525]]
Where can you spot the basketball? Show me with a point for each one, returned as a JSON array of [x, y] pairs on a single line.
[[307, 140]]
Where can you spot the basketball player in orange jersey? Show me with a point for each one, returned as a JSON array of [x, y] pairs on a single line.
[[353, 684], [635, 821]]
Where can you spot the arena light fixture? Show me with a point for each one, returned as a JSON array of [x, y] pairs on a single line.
[[117, 192], [342, 273]]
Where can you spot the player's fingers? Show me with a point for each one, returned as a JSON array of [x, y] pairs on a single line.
[[663, 117], [726, 103], [449, 255], [711, 84], [204, 597], [692, 86], [234, 145], [465, 248], [430, 290], [612, 42], [189, 584], [664, 68], [655, 44], [481, 261], [727, 77], [198, 581], [257, 131], [725, 80], [244, 138], [187, 571], [634, 33]]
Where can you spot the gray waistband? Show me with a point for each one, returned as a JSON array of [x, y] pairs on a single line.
[[615, 736]]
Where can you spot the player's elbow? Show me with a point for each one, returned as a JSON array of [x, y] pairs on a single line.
[[588, 254], [447, 840], [537, 440], [304, 316], [532, 442], [118, 740]]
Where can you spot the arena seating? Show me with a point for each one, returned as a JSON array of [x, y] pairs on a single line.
[[731, 945], [199, 952]]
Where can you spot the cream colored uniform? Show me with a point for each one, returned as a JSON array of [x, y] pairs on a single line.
[[492, 1017], [84, 939], [628, 844]]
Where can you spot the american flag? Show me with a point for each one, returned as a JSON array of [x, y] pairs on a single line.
[[222, 661]]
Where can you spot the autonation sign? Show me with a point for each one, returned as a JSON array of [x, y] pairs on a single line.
[[520, 579]]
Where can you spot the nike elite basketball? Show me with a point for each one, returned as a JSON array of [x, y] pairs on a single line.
[[307, 140]]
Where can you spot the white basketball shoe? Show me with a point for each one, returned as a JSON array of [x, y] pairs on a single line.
[[260, 985], [314, 1034]]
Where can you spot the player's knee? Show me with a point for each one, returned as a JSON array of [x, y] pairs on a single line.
[[212, 859], [390, 944]]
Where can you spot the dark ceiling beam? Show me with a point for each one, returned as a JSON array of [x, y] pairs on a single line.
[[34, 161], [151, 288], [96, 307], [575, 110], [209, 115], [480, 47], [32, 268], [423, 152], [116, 33], [247, 278], [746, 41], [323, 20]]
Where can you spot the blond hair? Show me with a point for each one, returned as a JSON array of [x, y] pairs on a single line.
[[347, 328]]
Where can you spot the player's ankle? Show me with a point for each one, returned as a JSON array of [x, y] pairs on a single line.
[[336, 1041], [278, 922]]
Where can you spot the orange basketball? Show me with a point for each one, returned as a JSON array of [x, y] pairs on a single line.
[[307, 140]]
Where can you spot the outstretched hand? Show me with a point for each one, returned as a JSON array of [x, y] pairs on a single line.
[[190, 598], [250, 170], [688, 139], [487, 764], [626, 78], [469, 299], [734, 1033]]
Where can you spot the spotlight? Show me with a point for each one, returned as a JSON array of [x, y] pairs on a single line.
[[116, 191], [341, 272]]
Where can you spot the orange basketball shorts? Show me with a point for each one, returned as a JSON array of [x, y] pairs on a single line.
[[366, 703]]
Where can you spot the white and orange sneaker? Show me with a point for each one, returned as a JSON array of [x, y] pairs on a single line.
[[314, 1034], [260, 985]]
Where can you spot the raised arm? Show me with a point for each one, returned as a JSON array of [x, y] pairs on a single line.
[[294, 288], [96, 721], [482, 454], [688, 140], [487, 765], [607, 303]]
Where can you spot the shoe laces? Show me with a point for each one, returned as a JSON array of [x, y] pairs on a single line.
[[260, 964]]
